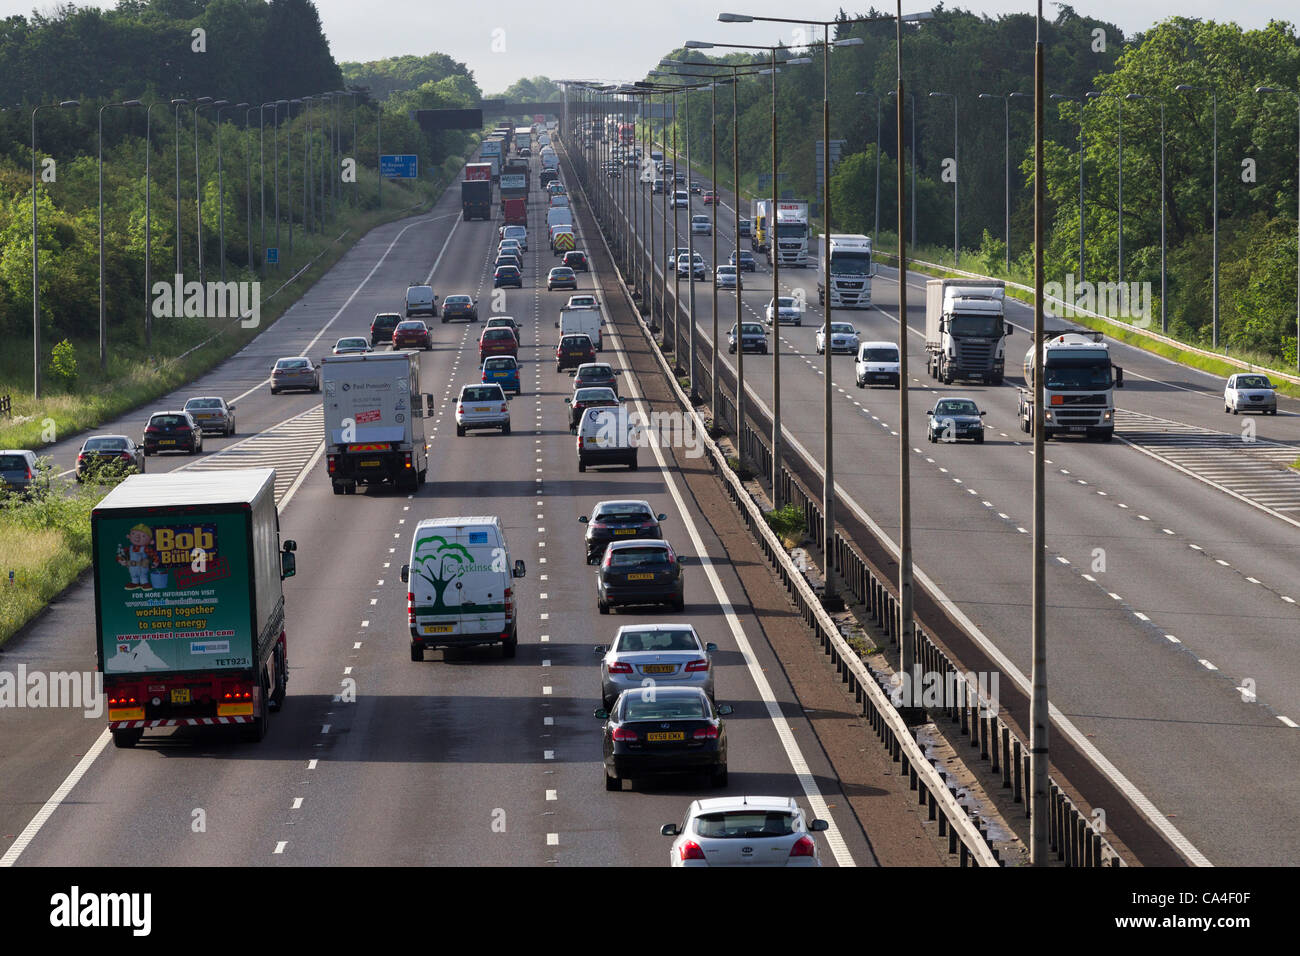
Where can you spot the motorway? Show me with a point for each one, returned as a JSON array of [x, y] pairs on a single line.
[[466, 759], [1172, 602]]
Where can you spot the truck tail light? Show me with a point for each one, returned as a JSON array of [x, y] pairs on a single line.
[[333, 461], [122, 701], [407, 463], [803, 846]]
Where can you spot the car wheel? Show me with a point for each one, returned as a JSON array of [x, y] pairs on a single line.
[[602, 607], [510, 646], [631, 465], [679, 604], [582, 466], [338, 488], [276, 391], [1234, 411], [417, 652], [1226, 409], [719, 777], [460, 431], [557, 368], [612, 784], [505, 429], [979, 439]]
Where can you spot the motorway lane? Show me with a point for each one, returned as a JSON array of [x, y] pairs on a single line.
[[1119, 676], [370, 796]]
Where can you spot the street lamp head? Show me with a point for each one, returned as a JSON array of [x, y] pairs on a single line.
[[848, 41], [179, 102], [941, 94], [734, 18], [241, 106], [698, 45], [71, 103], [798, 61], [918, 17], [1093, 94], [1018, 95], [989, 96], [203, 100], [130, 103], [221, 103], [1186, 87], [1060, 96]]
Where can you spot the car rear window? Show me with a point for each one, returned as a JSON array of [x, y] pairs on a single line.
[[595, 395], [498, 333], [576, 341], [657, 641], [105, 444], [291, 363], [623, 513], [744, 824], [203, 403], [411, 327], [12, 462], [627, 557], [387, 320], [168, 420], [482, 393], [457, 300], [499, 362], [671, 708]]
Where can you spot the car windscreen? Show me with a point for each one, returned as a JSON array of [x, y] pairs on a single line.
[[752, 329], [631, 641], [1252, 381], [105, 444], [956, 408], [665, 708], [744, 824], [880, 355], [576, 342], [630, 557], [484, 393]]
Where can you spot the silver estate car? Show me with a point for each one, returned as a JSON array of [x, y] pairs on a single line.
[[644, 655]]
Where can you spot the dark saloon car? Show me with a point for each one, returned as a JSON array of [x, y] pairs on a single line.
[[294, 373], [619, 521], [507, 276], [594, 375], [172, 431], [673, 730], [381, 327], [585, 398], [640, 572], [104, 456], [955, 418], [576, 260], [413, 334], [19, 473], [459, 307]]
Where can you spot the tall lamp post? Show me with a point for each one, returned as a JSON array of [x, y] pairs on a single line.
[[1214, 201], [248, 190], [1262, 90], [1160, 103], [103, 326], [956, 177], [911, 98], [1006, 185], [1119, 206], [198, 184], [221, 187], [36, 249], [1075, 99], [875, 235], [148, 220]]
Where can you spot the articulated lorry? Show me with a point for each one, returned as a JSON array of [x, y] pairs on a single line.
[[374, 420], [1078, 387], [189, 612], [844, 274], [966, 329], [476, 199], [786, 225]]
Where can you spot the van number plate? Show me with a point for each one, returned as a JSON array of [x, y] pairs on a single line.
[[437, 628]]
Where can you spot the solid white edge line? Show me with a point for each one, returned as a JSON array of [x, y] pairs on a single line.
[[834, 839]]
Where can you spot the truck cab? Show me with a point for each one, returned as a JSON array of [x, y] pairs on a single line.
[[1078, 387], [966, 329]]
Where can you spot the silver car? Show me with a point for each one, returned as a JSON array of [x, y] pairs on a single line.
[[213, 414], [727, 277], [644, 655], [482, 406], [744, 831], [1250, 392], [295, 372]]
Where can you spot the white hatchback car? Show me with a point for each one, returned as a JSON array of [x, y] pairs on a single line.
[[701, 225], [1250, 392], [482, 406], [744, 831]]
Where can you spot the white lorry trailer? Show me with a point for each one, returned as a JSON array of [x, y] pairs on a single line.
[[966, 329]]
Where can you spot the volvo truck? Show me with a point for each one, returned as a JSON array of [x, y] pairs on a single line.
[[1078, 387]]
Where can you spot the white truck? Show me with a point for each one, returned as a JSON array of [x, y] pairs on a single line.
[[791, 231], [374, 420], [844, 275], [966, 329], [1078, 387]]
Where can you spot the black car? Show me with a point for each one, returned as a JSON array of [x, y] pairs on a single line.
[[585, 398], [172, 431], [507, 276], [594, 375], [576, 260], [382, 326], [617, 521], [674, 730], [640, 572], [573, 351], [104, 456], [955, 418], [747, 263]]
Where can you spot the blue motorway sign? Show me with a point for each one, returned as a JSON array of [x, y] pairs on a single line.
[[396, 166], [272, 256]]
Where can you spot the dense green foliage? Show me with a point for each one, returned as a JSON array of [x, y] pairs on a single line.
[[963, 54]]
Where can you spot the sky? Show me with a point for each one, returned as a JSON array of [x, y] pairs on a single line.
[[503, 40]]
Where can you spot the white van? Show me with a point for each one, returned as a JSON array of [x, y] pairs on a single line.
[[559, 216], [420, 300], [582, 322], [607, 436], [877, 364], [460, 586], [559, 200]]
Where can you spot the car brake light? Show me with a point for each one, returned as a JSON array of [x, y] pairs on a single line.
[[579, 443], [696, 666], [690, 850], [706, 733], [620, 667], [803, 846], [621, 733], [126, 455], [460, 408], [81, 457], [504, 408]]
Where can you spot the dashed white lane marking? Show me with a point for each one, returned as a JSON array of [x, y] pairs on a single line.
[[297, 803], [552, 839], [279, 847], [325, 728], [311, 764], [1172, 640], [1207, 665], [1288, 721], [551, 795]]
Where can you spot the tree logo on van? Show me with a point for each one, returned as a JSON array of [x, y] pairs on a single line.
[[440, 566]]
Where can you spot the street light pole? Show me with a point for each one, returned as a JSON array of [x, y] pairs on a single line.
[[103, 326], [1119, 101], [1082, 103], [221, 188], [1006, 186], [248, 188], [198, 185], [148, 222]]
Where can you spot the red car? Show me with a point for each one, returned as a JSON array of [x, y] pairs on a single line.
[[412, 334], [497, 341], [710, 199]]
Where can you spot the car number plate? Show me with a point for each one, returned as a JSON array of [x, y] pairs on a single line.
[[659, 736], [1078, 428], [625, 531], [205, 415], [370, 463], [481, 408], [437, 628], [167, 441], [658, 668], [640, 577], [181, 696]]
